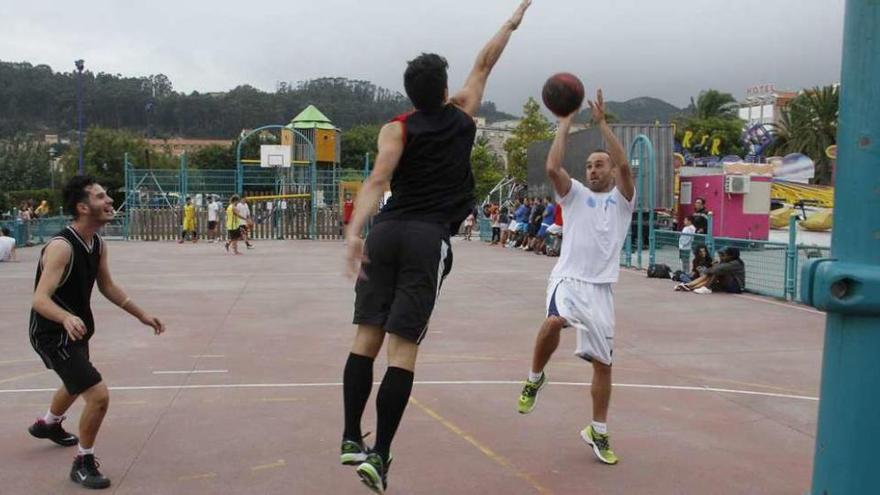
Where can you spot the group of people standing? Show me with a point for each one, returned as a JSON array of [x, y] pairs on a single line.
[[238, 222], [531, 224]]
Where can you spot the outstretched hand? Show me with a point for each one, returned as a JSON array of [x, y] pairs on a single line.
[[517, 16], [598, 107]]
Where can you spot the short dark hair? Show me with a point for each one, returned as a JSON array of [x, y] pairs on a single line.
[[425, 81], [689, 218], [702, 200], [75, 192], [234, 197], [6, 232]]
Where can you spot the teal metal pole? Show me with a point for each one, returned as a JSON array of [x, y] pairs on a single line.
[[791, 259], [710, 238], [129, 193], [847, 286]]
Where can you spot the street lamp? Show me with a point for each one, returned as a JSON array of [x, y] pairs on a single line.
[[80, 65], [52, 154]]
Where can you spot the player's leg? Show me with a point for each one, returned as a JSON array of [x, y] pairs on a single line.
[[49, 426], [546, 344], [357, 383]]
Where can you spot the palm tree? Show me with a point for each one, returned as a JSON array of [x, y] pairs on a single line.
[[713, 103], [808, 125]]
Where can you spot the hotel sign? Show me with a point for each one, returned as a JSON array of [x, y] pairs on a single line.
[[761, 90]]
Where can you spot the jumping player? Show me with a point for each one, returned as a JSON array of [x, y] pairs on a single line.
[[61, 322], [425, 156], [596, 218]]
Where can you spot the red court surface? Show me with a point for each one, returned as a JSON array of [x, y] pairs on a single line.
[[714, 394]]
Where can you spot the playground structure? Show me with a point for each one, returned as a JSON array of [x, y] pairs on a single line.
[[294, 190]]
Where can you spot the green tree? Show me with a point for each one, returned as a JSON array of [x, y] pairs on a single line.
[[24, 164], [532, 128], [487, 166], [712, 103], [214, 157], [808, 125], [356, 142], [104, 157], [729, 130]]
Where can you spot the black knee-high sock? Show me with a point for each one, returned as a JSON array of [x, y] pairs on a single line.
[[390, 404], [357, 382]]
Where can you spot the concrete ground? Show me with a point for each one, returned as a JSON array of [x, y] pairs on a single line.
[[714, 394]]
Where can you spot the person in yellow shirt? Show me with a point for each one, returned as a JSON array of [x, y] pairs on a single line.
[[43, 209], [233, 224], [189, 221]]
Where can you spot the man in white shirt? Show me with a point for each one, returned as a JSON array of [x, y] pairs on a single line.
[[213, 216], [245, 221], [596, 217], [7, 246]]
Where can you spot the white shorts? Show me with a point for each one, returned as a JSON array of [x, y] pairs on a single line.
[[554, 229], [589, 308], [512, 226]]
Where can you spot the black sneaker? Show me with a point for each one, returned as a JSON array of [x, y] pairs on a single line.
[[352, 453], [374, 472], [54, 432], [85, 472]]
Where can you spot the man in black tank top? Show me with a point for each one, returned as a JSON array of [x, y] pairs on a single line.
[[424, 158], [61, 322]]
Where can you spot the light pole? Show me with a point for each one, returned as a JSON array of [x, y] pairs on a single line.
[[80, 65], [52, 153]]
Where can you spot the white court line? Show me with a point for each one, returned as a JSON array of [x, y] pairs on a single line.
[[476, 382], [187, 372]]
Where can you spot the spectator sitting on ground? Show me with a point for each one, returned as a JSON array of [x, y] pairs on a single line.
[[522, 223], [504, 224], [7, 246], [554, 233], [727, 276]]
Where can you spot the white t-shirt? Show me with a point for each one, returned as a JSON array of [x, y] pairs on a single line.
[[244, 211], [594, 226], [686, 240], [6, 246], [213, 211]]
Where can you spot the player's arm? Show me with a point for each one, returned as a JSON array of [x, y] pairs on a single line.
[[55, 259], [117, 295], [471, 95], [618, 155], [390, 146], [559, 176]]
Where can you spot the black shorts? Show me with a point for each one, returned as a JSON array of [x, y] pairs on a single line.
[[69, 361], [212, 224], [234, 235], [408, 261]]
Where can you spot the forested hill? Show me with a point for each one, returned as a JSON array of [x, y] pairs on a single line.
[[35, 99]]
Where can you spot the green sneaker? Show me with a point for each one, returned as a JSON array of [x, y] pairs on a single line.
[[529, 395], [374, 473], [600, 444], [352, 453]]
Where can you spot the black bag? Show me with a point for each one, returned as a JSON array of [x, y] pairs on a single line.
[[659, 270]]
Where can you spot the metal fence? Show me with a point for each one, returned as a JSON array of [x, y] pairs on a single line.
[[36, 231]]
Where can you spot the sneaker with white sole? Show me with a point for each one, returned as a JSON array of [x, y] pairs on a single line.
[[600, 444]]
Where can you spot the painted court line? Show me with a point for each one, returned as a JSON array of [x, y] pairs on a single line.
[[498, 459], [472, 382], [187, 372], [277, 464]]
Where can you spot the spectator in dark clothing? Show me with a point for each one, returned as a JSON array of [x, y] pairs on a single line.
[[701, 216], [727, 276], [535, 217]]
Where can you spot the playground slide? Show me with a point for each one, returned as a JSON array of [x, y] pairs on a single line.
[[779, 217]]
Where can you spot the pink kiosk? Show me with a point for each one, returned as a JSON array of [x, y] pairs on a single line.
[[739, 202]]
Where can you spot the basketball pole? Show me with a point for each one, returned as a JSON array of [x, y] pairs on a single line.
[[847, 286]]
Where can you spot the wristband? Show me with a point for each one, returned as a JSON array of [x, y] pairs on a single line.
[[125, 303]]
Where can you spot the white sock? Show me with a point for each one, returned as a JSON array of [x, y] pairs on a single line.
[[535, 377], [51, 419], [601, 428], [84, 451]]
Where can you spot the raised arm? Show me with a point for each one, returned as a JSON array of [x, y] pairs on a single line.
[[117, 295], [390, 147], [618, 154], [558, 176], [471, 95]]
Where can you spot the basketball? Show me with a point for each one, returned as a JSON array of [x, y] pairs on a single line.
[[563, 93]]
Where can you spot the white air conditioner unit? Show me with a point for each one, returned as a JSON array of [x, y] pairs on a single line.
[[737, 184]]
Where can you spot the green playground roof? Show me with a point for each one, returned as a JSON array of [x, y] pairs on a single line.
[[311, 118]]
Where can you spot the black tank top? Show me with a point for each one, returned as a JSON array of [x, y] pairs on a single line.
[[74, 294], [433, 181]]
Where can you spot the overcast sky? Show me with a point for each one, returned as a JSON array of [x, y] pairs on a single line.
[[669, 49]]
